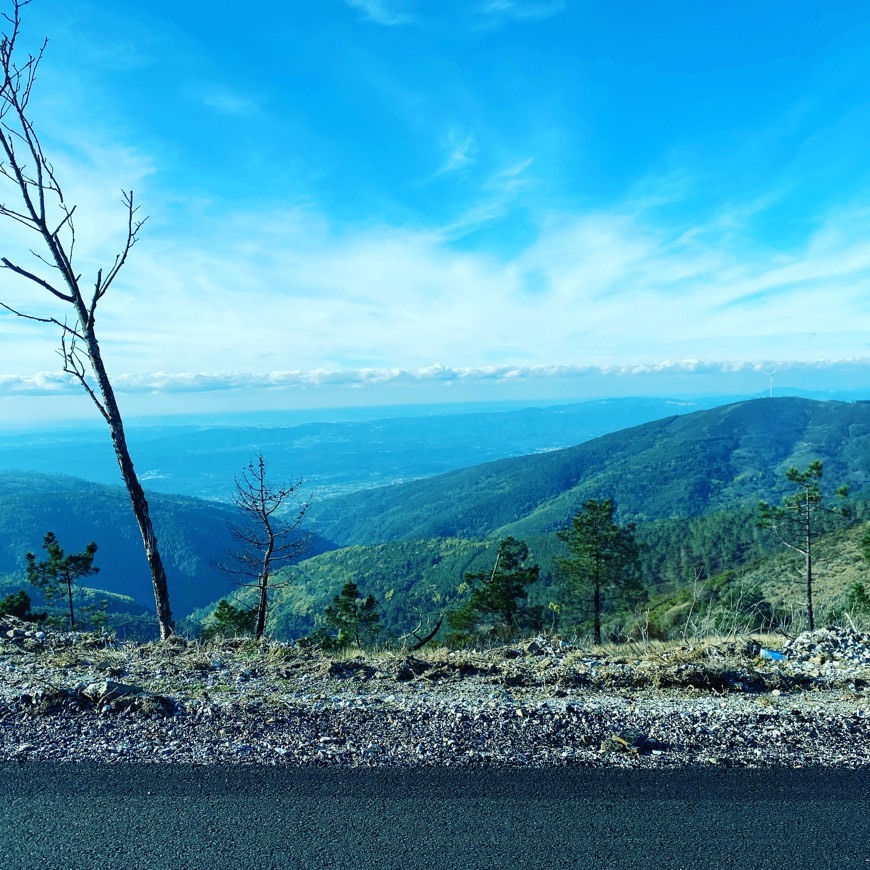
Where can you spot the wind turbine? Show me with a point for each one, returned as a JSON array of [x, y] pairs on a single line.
[[770, 375]]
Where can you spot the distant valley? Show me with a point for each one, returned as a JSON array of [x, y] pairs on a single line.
[[192, 534], [333, 457]]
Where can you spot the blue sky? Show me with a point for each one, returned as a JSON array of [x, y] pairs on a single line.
[[381, 200]]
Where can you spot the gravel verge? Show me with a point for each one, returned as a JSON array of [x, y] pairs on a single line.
[[540, 704]]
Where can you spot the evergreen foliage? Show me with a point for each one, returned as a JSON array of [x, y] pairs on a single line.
[[18, 604], [229, 621], [355, 620], [58, 574], [795, 522], [494, 602], [858, 599], [603, 555]]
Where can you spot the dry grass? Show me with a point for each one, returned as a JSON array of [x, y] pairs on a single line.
[[716, 663]]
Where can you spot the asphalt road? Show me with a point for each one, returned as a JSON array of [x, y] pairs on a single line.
[[143, 816]]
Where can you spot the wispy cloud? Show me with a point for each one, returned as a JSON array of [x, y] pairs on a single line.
[[386, 12], [282, 290], [278, 289], [511, 179], [226, 101], [523, 10], [462, 151], [499, 193]]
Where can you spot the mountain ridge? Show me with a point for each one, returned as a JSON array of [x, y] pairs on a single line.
[[683, 465]]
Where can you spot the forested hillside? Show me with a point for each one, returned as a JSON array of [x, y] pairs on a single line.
[[191, 532], [700, 463], [692, 483], [691, 573]]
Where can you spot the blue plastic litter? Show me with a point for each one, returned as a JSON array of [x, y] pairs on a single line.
[[773, 655]]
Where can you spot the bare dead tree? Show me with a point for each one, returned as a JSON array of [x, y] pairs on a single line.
[[269, 534], [40, 206], [421, 641]]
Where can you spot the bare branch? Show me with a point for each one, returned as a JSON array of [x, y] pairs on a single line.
[[53, 320], [8, 264], [5, 211], [133, 228], [422, 641], [67, 218], [74, 365]]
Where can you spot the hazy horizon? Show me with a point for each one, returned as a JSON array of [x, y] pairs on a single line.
[[289, 416]]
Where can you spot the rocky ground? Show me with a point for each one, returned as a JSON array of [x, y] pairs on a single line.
[[541, 703]]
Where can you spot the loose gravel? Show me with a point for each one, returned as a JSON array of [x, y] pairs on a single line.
[[541, 704]]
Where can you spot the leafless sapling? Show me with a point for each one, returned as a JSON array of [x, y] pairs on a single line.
[[269, 533], [37, 202], [421, 640], [798, 521]]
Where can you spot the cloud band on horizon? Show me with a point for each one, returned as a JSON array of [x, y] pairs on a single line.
[[48, 383]]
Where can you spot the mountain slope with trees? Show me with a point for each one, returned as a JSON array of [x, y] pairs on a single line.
[[193, 533], [682, 466], [760, 588]]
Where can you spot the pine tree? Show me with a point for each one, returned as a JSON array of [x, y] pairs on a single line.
[[603, 555], [800, 519], [497, 594], [18, 604], [57, 575], [356, 619], [229, 621]]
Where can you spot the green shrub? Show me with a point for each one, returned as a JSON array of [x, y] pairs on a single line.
[[18, 604], [228, 621]]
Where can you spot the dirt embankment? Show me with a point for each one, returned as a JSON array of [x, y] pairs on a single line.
[[541, 703]]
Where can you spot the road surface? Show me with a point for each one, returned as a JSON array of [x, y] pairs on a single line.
[[143, 816]]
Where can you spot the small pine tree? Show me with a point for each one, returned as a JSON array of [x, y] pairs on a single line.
[[603, 554], [58, 574], [797, 522], [496, 595], [229, 621], [355, 619]]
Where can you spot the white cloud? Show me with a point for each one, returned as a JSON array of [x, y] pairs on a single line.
[[287, 291], [461, 152], [386, 12], [500, 191], [283, 289], [43, 383], [523, 10], [226, 101]]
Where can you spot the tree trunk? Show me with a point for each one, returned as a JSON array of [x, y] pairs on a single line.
[[263, 583], [262, 606], [112, 414], [421, 643], [809, 554], [72, 616], [597, 600]]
